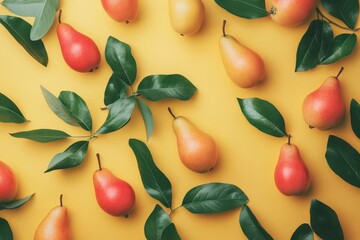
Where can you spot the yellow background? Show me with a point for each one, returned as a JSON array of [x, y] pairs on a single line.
[[247, 156]]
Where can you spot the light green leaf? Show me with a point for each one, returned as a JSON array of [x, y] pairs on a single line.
[[9, 112], [147, 116], [15, 203], [42, 135]]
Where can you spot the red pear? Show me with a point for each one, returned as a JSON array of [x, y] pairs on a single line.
[[8, 183], [121, 10]]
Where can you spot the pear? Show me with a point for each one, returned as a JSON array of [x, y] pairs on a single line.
[[115, 196], [186, 16], [121, 10], [244, 66], [197, 150], [79, 51], [324, 108], [55, 225], [291, 174], [8, 183]]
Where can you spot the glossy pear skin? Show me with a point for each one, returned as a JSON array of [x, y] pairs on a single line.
[[291, 13], [291, 174], [186, 16], [121, 10], [8, 183]]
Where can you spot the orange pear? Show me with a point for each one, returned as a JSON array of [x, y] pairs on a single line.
[[8, 183], [121, 10]]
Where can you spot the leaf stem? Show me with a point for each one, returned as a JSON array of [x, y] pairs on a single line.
[[334, 23], [340, 71], [98, 159], [173, 210]]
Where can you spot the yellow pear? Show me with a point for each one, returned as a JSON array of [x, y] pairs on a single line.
[[197, 150], [244, 66]]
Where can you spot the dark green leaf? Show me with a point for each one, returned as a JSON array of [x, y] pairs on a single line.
[[263, 115], [115, 90], [42, 135], [156, 223], [119, 115], [251, 226], [341, 46], [355, 117], [155, 182], [344, 160], [327, 36], [147, 116], [9, 112], [157, 87], [78, 109], [303, 232], [249, 9], [15, 203], [170, 233], [118, 56], [20, 30], [73, 156], [324, 221], [214, 198], [5, 230], [344, 10]]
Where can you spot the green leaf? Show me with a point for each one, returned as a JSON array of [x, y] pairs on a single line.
[[73, 156], [214, 198], [15, 203], [147, 116], [156, 184], [9, 112], [346, 11], [115, 90], [251, 226], [118, 56], [327, 36], [5, 230], [355, 117], [20, 30], [170, 232], [344, 160], [42, 135], [324, 221], [249, 9], [341, 46], [156, 223], [157, 87], [303, 232], [78, 109], [263, 115], [119, 115]]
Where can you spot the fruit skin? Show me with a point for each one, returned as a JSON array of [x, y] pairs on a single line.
[[186, 16], [8, 184], [244, 66], [121, 10], [291, 13], [324, 108]]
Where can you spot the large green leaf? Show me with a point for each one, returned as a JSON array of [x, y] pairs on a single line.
[[324, 221], [154, 180], [15, 203], [355, 117], [9, 112], [327, 36], [214, 198], [303, 232], [170, 232], [5, 230], [20, 30], [147, 116], [118, 56], [249, 9], [157, 87], [341, 46], [42, 135], [251, 226], [346, 11], [73, 156], [156, 223], [263, 115], [344, 160], [115, 90]]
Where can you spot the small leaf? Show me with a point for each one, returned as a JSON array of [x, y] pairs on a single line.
[[15, 203], [214, 198], [157, 87], [170, 232], [355, 117], [119, 115], [249, 9], [20, 30], [5, 230], [324, 221], [118, 56], [156, 223], [147, 116], [263, 115], [341, 46], [344, 160], [42, 135], [115, 90], [251, 226], [346, 11], [9, 112], [156, 184], [303, 232], [73, 156]]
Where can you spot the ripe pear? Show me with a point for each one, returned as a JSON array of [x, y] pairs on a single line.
[[79, 51], [121, 10], [324, 108], [8, 183], [197, 150], [55, 225], [186, 16], [291, 174], [244, 66], [115, 196]]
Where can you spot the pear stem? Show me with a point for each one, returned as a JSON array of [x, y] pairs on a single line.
[[172, 114], [340, 71], [223, 28], [59, 19], [289, 137], [61, 200], [98, 159]]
